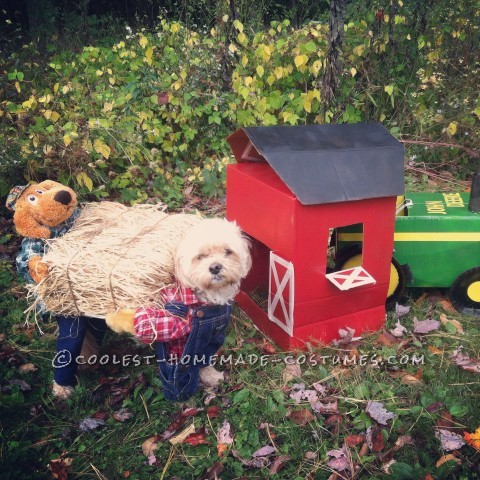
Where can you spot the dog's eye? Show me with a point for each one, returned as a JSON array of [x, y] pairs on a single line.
[[201, 256], [39, 191], [228, 252], [32, 199]]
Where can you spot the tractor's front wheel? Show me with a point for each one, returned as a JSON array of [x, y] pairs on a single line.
[[465, 291]]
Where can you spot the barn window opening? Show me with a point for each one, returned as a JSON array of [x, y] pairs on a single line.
[[347, 248]]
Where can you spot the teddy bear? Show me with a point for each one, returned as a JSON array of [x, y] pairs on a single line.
[[43, 211], [210, 262]]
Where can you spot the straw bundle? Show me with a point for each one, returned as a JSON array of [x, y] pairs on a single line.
[[114, 257]]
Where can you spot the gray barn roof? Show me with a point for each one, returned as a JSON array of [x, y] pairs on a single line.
[[327, 163]]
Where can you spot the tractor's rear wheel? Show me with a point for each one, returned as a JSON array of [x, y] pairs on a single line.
[[352, 257], [465, 291]]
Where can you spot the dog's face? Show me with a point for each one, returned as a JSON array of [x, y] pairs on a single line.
[[212, 259]]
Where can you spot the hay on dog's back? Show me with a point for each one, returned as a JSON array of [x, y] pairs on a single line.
[[114, 257]]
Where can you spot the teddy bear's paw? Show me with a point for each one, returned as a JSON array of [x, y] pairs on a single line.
[[38, 269], [61, 392], [210, 377]]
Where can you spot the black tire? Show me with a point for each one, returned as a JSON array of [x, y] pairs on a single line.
[[351, 251], [464, 292]]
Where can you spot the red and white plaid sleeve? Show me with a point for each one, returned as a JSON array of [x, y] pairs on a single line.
[[154, 324], [157, 325]]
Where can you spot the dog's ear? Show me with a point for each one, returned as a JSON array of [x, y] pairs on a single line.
[[27, 226]]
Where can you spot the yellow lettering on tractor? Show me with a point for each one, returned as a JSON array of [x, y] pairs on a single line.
[[436, 207], [453, 200]]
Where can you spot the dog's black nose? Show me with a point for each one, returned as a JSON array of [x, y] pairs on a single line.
[[63, 197], [215, 268]]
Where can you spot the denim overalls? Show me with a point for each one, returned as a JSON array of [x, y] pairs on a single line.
[[209, 325]]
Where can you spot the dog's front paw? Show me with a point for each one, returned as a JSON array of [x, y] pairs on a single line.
[[121, 321], [210, 377]]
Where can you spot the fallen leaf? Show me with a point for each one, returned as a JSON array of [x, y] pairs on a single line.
[[268, 349], [387, 339], [421, 299], [446, 422], [320, 389], [27, 367], [434, 407], [401, 310], [413, 379], [311, 456], [346, 336], [375, 439], [301, 417], [264, 451], [327, 406], [425, 326], [402, 441], [197, 438], [224, 433], [456, 324], [213, 412], [435, 351], [181, 436], [100, 415], [122, 415], [447, 458], [386, 466], [214, 471], [364, 450], [333, 423], [291, 372], [377, 411], [89, 423], [463, 360], [150, 445], [399, 330], [59, 468], [354, 440], [257, 462], [24, 386], [279, 463], [449, 440], [340, 460], [211, 395], [473, 439], [179, 418], [448, 306]]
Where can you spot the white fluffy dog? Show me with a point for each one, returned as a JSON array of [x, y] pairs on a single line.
[[212, 259]]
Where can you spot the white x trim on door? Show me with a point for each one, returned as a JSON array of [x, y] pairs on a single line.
[[284, 284], [350, 278]]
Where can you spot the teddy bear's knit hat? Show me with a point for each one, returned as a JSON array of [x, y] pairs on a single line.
[[13, 196]]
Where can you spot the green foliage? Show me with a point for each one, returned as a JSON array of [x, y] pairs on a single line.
[[147, 116]]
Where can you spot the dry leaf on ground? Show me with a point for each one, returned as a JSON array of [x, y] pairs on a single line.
[[378, 412], [463, 360], [301, 417], [449, 440]]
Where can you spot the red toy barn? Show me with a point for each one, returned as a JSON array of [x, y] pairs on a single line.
[[291, 187]]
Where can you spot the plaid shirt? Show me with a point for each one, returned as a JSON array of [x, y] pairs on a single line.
[[154, 324], [32, 247]]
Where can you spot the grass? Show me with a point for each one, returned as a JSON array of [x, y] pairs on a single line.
[[36, 429]]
